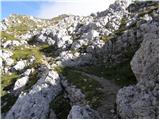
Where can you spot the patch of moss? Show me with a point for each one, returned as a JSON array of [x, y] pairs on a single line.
[[90, 87], [61, 106]]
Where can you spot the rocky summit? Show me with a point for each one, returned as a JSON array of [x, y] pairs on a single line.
[[82, 67]]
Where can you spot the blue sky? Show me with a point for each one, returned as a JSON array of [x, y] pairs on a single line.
[[20, 7], [52, 8]]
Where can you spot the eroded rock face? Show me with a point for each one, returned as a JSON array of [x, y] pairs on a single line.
[[35, 103], [82, 112], [141, 100]]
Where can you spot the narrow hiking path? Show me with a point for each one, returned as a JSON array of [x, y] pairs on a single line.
[[110, 89]]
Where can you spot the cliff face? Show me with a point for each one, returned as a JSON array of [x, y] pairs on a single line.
[[100, 66]]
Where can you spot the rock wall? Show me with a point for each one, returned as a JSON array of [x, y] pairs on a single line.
[[141, 100]]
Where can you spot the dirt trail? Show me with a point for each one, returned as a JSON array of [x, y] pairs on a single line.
[[110, 89]]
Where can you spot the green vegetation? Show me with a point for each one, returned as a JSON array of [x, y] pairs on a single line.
[[121, 74], [123, 23], [19, 29], [48, 50], [6, 36], [89, 87], [22, 52], [148, 10], [116, 32], [7, 81], [61, 106], [23, 23], [113, 35], [107, 38], [7, 100]]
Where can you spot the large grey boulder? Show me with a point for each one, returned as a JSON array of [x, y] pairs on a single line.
[[141, 100], [35, 102], [82, 112]]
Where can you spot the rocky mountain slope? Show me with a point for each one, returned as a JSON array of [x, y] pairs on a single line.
[[78, 67]]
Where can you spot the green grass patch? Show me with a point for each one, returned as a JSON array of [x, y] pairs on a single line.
[[6, 36], [89, 87], [22, 52], [7, 81], [19, 29], [61, 106], [121, 74], [7, 100]]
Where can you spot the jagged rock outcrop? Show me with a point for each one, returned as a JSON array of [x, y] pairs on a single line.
[[35, 103], [141, 100], [82, 112]]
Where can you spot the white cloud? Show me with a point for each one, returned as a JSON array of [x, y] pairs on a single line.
[[76, 7]]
